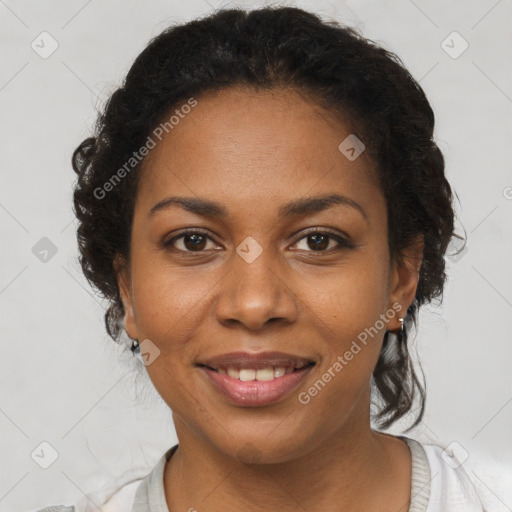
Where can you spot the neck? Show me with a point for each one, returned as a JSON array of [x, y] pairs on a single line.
[[356, 468]]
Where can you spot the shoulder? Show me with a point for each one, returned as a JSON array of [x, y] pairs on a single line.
[[460, 481], [115, 496], [123, 494], [120, 501], [451, 481]]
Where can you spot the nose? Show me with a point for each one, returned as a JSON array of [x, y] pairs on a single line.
[[255, 294]]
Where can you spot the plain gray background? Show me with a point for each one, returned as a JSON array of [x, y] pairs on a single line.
[[64, 382]]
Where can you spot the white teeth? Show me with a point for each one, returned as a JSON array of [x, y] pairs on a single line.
[[234, 374], [246, 375], [265, 374], [262, 374], [279, 372]]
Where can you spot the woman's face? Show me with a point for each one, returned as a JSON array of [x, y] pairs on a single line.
[[255, 280]]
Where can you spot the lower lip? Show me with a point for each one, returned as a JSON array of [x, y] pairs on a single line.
[[255, 393]]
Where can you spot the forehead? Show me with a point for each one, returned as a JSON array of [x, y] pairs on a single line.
[[248, 147]]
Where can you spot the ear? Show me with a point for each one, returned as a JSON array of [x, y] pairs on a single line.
[[405, 274], [123, 275]]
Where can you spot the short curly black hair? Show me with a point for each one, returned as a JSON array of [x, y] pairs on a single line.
[[347, 74]]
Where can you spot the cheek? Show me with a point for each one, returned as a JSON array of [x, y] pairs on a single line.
[[169, 300], [350, 298], [347, 308]]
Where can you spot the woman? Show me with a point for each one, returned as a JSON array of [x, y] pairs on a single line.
[[266, 209]]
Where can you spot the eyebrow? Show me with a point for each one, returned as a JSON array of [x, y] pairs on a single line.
[[299, 207]]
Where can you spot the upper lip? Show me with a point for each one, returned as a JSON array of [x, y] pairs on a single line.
[[247, 360]]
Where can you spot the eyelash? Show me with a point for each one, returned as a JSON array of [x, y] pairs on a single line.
[[343, 242]]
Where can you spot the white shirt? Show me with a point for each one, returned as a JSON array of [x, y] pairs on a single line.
[[440, 482]]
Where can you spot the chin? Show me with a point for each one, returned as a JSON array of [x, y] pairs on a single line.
[[253, 449]]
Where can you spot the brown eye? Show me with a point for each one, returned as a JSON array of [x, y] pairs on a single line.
[[189, 241], [318, 241], [321, 241]]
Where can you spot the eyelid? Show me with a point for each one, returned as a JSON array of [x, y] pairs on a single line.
[[322, 230]]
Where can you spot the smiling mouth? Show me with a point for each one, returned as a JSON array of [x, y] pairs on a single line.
[[259, 374]]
